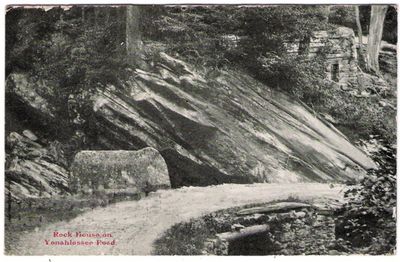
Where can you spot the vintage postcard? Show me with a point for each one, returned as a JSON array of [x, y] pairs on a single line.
[[200, 129]]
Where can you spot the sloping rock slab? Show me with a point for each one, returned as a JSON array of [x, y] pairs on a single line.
[[273, 208], [33, 170], [226, 122], [183, 171], [221, 125], [20, 87]]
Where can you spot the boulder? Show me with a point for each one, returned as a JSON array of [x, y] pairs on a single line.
[[144, 170]]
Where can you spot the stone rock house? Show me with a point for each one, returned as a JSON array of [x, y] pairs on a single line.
[[340, 46]]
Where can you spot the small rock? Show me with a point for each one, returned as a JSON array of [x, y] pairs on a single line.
[[330, 119], [237, 227], [29, 134], [283, 216], [210, 246], [271, 218], [365, 94], [334, 252], [298, 221], [284, 252], [300, 214], [382, 103]]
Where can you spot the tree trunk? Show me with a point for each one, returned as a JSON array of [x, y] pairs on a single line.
[[327, 13], [378, 13], [96, 15], [83, 14], [359, 29], [133, 37], [9, 201], [360, 37], [107, 12]]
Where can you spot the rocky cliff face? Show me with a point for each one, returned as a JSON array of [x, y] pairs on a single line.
[[33, 169], [218, 127]]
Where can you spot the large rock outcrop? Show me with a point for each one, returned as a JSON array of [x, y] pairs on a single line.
[[33, 170], [30, 96], [220, 126], [226, 121], [142, 170]]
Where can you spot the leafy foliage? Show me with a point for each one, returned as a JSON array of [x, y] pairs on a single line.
[[64, 49], [299, 76], [345, 15], [368, 220], [359, 117], [72, 53], [259, 36], [198, 32]]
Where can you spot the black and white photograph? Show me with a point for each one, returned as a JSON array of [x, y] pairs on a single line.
[[200, 129]]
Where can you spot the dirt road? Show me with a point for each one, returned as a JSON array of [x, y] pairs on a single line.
[[134, 225]]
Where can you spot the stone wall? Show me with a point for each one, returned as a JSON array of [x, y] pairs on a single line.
[[340, 46], [304, 231], [311, 234], [342, 54]]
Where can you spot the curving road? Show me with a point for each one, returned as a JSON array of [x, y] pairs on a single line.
[[134, 225]]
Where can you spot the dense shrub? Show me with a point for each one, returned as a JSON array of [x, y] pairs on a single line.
[[360, 117], [197, 32], [75, 52], [298, 76], [65, 49], [368, 219], [79, 56]]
